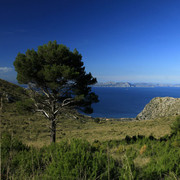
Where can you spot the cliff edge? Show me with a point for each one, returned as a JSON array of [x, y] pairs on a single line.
[[160, 107]]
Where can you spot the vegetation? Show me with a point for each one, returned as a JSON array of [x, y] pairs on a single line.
[[135, 157], [57, 80], [86, 148], [176, 125]]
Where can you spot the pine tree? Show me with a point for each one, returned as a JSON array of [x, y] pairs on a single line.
[[57, 79]]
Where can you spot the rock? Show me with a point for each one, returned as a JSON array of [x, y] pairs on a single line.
[[160, 107]]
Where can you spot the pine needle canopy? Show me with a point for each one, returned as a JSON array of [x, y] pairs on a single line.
[[57, 72]]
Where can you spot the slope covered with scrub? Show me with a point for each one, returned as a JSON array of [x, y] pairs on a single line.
[[86, 148]]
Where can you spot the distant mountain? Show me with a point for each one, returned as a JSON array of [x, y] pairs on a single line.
[[127, 84]]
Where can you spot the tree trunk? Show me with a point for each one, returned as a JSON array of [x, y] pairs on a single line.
[[53, 123], [53, 131]]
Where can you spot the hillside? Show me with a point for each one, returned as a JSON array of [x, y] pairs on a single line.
[[160, 107], [86, 148], [12, 91], [9, 88], [33, 127]]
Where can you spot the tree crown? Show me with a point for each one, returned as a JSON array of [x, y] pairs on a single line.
[[58, 72]]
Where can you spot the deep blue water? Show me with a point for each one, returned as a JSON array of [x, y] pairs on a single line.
[[127, 102]]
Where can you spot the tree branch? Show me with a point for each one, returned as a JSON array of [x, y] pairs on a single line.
[[56, 111], [69, 100], [43, 111], [45, 92]]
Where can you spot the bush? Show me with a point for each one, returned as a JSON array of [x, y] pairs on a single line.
[[176, 125], [97, 120], [10, 147], [11, 144], [78, 160], [74, 160], [25, 106]]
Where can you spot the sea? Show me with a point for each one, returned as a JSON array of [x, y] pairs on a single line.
[[116, 102]]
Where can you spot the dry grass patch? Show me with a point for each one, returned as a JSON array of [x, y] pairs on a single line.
[[33, 129], [140, 161]]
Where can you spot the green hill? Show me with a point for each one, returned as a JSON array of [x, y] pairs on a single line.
[[11, 89], [11, 93]]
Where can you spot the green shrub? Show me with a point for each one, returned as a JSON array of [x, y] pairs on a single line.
[[10, 143], [128, 170], [28, 163], [164, 158], [21, 90], [78, 160], [96, 145], [67, 160], [97, 120], [176, 125], [24, 107], [10, 147], [120, 149]]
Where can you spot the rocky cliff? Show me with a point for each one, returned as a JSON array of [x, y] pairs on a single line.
[[160, 107]]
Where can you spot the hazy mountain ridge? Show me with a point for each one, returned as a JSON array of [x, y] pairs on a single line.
[[127, 84]]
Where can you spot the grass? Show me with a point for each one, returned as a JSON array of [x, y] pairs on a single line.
[[33, 128], [143, 159]]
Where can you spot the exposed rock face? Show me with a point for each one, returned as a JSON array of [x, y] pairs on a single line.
[[159, 107]]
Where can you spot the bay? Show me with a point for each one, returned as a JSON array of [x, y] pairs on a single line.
[[118, 102]]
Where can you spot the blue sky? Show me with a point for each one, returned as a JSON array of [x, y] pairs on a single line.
[[120, 40]]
